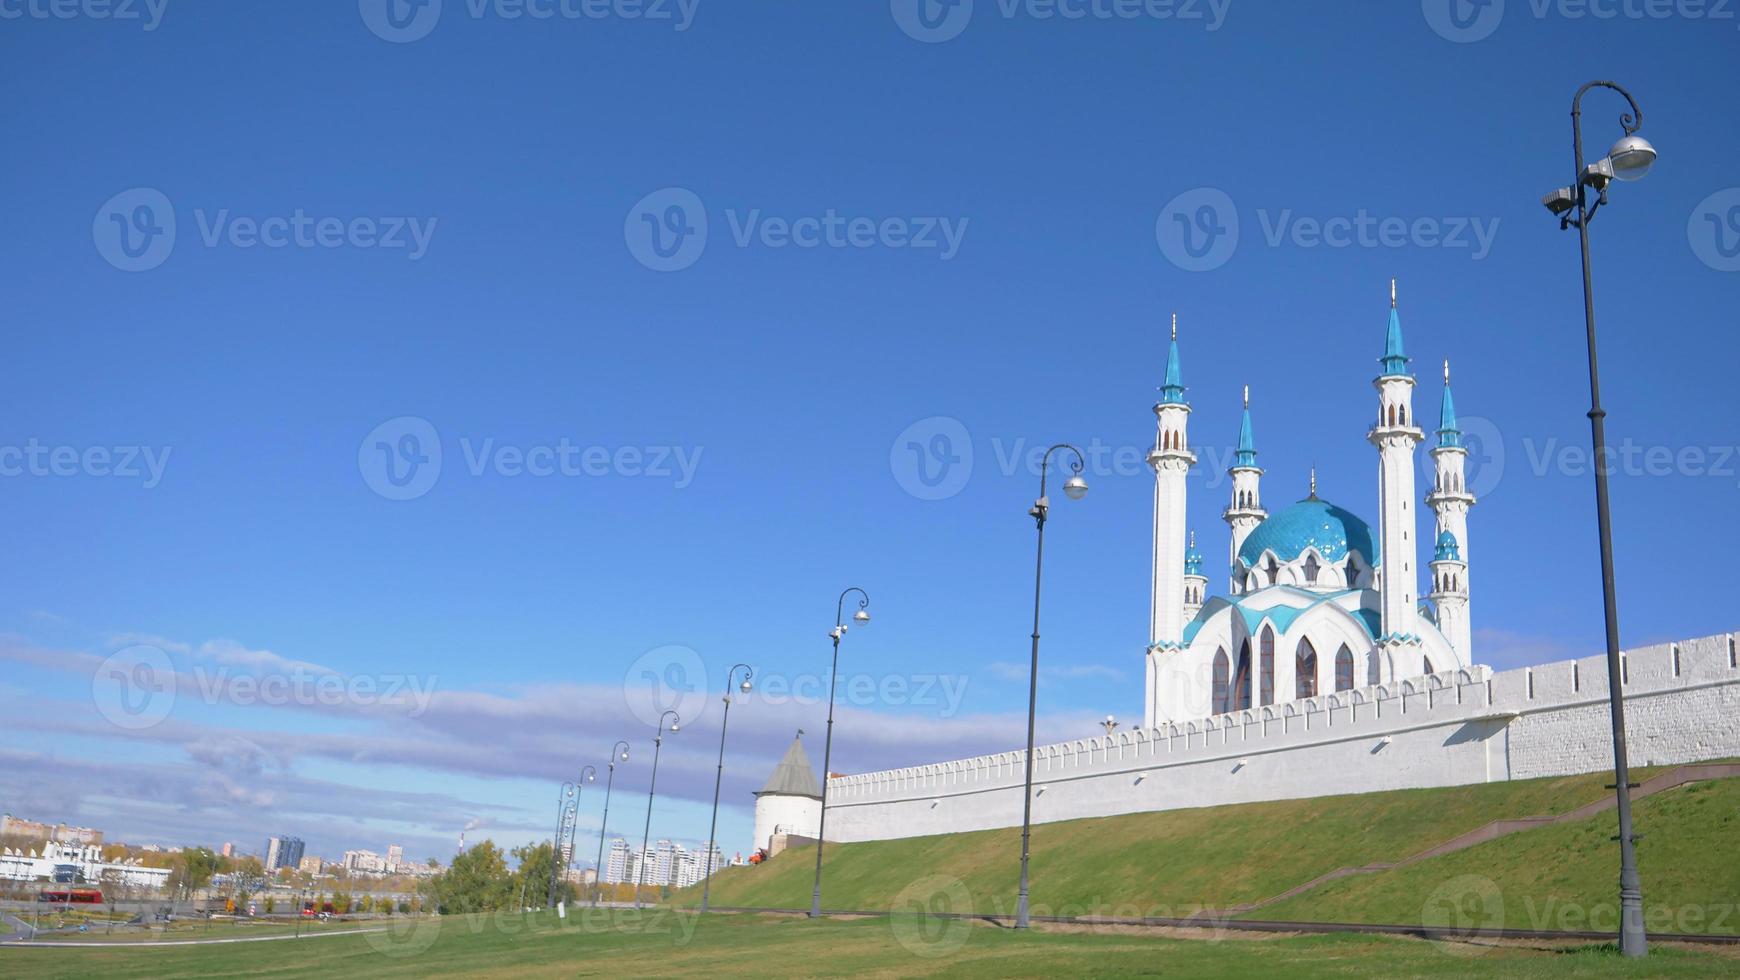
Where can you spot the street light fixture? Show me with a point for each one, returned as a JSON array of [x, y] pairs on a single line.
[[862, 618], [565, 849], [719, 776], [651, 787], [1075, 488], [1110, 724], [618, 753], [567, 801], [1628, 160]]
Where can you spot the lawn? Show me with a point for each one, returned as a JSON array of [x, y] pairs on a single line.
[[667, 943], [1177, 862]]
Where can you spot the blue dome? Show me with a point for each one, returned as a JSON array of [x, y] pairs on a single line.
[[1192, 558], [1447, 549], [1310, 523]]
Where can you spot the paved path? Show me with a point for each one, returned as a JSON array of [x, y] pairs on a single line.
[[186, 942]]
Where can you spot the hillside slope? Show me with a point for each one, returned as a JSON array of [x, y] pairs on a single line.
[[1178, 862]]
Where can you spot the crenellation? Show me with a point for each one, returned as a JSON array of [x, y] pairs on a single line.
[[1468, 725]]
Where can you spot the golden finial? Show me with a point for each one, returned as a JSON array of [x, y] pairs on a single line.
[[1446, 370], [1392, 294], [1313, 481], [1247, 396], [1193, 539], [1174, 326]]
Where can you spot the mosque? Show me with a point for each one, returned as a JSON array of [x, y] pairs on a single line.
[[1321, 670], [1316, 601]]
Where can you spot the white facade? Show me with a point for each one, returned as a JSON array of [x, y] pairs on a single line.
[[1452, 728], [791, 802], [27, 865]]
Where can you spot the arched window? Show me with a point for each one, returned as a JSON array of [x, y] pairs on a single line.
[[1305, 670], [1274, 570], [1220, 682], [1311, 569], [1374, 668], [1268, 654], [1392, 415], [1344, 669], [1241, 694], [1428, 662], [1404, 415]]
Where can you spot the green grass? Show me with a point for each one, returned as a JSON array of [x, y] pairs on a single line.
[[1565, 877], [719, 946], [1177, 862]]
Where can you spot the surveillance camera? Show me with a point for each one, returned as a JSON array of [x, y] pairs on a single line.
[[1560, 201]]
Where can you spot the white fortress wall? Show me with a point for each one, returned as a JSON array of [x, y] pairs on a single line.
[[1447, 729]]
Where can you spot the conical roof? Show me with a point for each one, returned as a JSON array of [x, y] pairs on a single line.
[[793, 776]]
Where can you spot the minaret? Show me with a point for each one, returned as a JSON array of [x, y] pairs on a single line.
[[1195, 583], [1450, 500], [1245, 511], [1395, 437], [1171, 459]]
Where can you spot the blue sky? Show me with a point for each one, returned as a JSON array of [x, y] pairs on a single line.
[[488, 276]]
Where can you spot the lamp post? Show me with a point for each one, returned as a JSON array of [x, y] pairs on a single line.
[[651, 786], [564, 855], [862, 618], [618, 753], [567, 799], [1110, 724], [1629, 159], [1075, 488], [719, 776]]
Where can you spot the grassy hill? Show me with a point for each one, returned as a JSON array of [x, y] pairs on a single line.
[[1177, 862]]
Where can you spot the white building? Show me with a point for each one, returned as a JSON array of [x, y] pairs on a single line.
[[1323, 670], [791, 802], [621, 864], [1317, 601], [85, 862]]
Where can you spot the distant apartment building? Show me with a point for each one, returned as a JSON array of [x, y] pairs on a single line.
[[11, 826], [395, 857], [228, 850], [620, 865], [283, 852], [367, 862], [311, 864]]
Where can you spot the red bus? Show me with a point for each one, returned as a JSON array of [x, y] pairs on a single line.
[[72, 896]]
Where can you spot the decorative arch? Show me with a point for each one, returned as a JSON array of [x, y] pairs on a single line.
[[1267, 652], [1241, 694], [1222, 680], [1305, 670]]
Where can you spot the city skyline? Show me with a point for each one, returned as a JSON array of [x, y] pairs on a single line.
[[351, 657]]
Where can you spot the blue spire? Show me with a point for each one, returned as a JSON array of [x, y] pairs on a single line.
[[1192, 557], [1394, 361], [1173, 391], [1247, 453], [1449, 434]]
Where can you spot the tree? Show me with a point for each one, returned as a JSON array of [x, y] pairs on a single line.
[[192, 871], [536, 861], [477, 881]]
